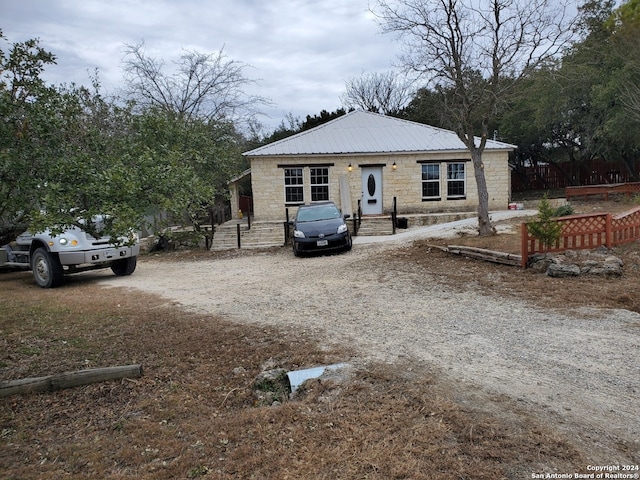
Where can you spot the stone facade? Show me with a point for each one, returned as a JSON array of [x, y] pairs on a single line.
[[404, 182]]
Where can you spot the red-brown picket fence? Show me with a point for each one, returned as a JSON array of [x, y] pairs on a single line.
[[586, 231]]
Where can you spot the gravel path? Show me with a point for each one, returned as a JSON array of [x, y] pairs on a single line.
[[578, 371]]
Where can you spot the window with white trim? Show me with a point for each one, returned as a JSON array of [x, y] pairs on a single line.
[[293, 185], [319, 183], [431, 181], [456, 180]]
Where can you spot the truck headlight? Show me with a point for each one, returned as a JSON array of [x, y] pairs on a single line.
[[64, 241]]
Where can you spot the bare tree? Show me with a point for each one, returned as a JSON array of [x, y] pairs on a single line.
[[208, 86], [479, 50], [377, 92]]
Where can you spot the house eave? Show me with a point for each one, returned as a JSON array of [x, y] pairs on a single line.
[[244, 174], [372, 154]]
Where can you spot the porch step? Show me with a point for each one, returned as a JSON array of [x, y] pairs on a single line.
[[373, 226], [261, 235]]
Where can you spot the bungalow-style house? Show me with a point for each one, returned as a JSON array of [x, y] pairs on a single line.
[[373, 161]]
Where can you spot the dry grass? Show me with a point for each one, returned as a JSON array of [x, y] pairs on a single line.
[[573, 292], [193, 414]]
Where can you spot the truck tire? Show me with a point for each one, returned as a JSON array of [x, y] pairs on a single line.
[[124, 267], [47, 269]]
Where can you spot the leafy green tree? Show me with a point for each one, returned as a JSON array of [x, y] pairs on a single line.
[[585, 80], [199, 106], [295, 125], [552, 120], [324, 117], [68, 154], [572, 112], [518, 122], [426, 106], [284, 130], [627, 41], [208, 151], [27, 131], [620, 94], [104, 163]]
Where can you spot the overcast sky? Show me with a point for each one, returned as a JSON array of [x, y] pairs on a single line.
[[301, 52]]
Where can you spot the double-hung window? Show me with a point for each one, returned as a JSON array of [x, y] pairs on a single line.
[[431, 181], [319, 183], [296, 191], [456, 180], [293, 185]]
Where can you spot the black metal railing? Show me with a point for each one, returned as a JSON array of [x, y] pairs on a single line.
[[357, 218]]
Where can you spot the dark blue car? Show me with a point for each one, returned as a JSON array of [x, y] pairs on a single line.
[[320, 227]]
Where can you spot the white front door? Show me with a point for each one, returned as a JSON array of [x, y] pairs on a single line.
[[371, 190]]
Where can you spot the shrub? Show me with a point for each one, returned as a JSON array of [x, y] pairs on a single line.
[[546, 229], [178, 239], [563, 210]]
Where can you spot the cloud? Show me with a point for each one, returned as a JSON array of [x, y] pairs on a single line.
[[301, 52]]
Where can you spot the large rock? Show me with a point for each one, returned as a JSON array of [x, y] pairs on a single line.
[[610, 266], [572, 263], [272, 386], [563, 270]]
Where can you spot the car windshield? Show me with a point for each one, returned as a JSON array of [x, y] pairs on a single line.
[[314, 214]]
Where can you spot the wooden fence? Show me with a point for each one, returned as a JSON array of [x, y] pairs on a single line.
[[586, 231], [545, 176], [605, 190]]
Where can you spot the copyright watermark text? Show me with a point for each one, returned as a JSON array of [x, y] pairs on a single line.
[[597, 471]]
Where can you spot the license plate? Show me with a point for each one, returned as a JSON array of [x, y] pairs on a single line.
[[323, 243], [110, 253]]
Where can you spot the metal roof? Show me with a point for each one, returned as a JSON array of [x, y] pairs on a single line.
[[362, 132]]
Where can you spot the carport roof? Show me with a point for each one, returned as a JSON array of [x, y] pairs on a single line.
[[362, 132]]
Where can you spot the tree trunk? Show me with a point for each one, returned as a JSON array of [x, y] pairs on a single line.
[[484, 222], [630, 165]]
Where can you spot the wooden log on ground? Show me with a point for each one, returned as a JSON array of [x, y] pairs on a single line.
[[439, 247], [488, 255], [69, 379]]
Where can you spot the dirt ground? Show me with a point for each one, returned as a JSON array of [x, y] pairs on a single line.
[[562, 293], [194, 413]]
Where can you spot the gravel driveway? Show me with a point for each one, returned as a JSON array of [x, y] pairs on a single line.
[[577, 371]]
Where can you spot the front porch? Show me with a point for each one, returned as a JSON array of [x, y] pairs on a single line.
[[245, 233]]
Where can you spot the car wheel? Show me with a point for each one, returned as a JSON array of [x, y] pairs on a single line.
[[124, 267], [349, 244], [47, 269], [296, 251]]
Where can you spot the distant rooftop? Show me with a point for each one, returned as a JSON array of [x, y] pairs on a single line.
[[362, 132]]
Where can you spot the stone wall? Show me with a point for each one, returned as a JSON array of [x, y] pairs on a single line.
[[404, 182]]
